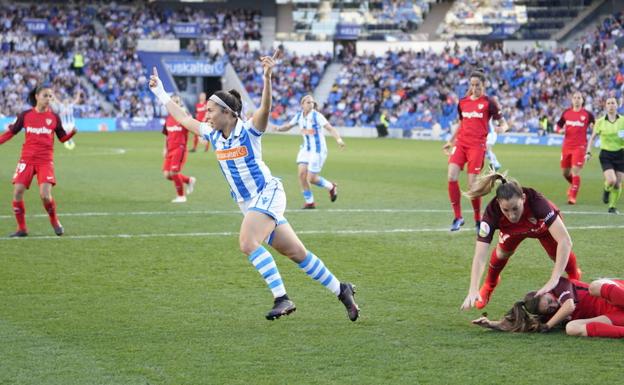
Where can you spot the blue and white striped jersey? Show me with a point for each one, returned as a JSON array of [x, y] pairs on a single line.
[[312, 129], [240, 159]]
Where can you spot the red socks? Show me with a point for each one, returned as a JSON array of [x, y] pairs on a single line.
[[476, 206], [179, 185], [612, 293], [50, 207], [455, 198], [576, 185], [599, 329], [20, 215], [496, 266], [185, 179]]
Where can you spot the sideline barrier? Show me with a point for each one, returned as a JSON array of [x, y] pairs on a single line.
[[156, 124]]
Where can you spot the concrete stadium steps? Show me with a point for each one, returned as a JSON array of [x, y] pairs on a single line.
[[434, 19], [321, 93]]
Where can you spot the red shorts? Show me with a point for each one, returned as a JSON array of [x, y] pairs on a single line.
[[175, 159], [509, 243], [474, 156], [572, 157], [24, 173]]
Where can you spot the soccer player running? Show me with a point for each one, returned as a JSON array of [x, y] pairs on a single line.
[[593, 310], [260, 196], [313, 151], [175, 155], [518, 213], [468, 144], [200, 114], [575, 122], [610, 129], [37, 157]]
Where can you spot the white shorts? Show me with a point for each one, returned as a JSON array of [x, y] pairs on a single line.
[[491, 139], [270, 201], [314, 160]]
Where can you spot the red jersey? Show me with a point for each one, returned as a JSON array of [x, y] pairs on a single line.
[[576, 124], [177, 136], [40, 128], [474, 117], [587, 306], [200, 111], [537, 216]]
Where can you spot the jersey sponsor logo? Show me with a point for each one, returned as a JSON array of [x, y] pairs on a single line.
[[473, 114], [484, 230], [48, 121], [308, 131], [38, 130], [232, 153], [574, 123], [174, 128], [502, 237]]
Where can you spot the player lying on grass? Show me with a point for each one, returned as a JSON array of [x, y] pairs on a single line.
[[587, 310]]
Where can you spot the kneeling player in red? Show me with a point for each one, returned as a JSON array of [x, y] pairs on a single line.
[[518, 213], [587, 310], [175, 155], [37, 157]]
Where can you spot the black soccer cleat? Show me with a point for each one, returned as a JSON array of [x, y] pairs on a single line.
[[605, 196], [59, 230], [346, 296], [18, 234], [333, 193], [282, 306], [613, 210]]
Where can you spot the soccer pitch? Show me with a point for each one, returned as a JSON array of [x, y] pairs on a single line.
[[144, 291]]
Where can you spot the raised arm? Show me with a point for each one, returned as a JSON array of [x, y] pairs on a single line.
[[564, 247], [176, 111], [478, 266], [260, 118]]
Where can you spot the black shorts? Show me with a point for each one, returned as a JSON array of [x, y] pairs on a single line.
[[612, 160]]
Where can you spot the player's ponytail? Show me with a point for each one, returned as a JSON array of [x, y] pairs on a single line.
[[32, 95], [508, 188]]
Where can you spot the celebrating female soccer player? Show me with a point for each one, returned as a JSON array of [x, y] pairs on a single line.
[[37, 157], [175, 155], [260, 196], [468, 144], [518, 213], [313, 151], [594, 310], [610, 128], [575, 122]]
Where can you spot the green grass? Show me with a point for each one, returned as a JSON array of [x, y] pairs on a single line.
[[142, 291]]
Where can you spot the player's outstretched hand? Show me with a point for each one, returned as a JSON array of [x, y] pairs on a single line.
[[470, 301], [447, 148], [154, 83]]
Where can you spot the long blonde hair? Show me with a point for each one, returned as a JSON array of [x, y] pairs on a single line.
[[508, 188]]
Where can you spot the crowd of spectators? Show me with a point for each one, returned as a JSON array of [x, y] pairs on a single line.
[[481, 17], [293, 77], [420, 88]]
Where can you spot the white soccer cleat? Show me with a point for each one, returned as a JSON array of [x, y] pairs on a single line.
[[190, 186], [180, 199]]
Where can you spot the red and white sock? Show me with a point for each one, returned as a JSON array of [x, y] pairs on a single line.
[[476, 207], [179, 185], [576, 185], [496, 266]]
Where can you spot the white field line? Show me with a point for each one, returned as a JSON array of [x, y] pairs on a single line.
[[236, 212], [233, 233]]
